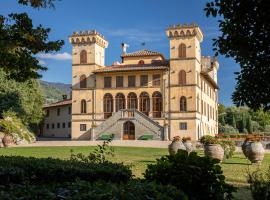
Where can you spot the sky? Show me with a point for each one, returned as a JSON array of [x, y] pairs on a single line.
[[129, 21]]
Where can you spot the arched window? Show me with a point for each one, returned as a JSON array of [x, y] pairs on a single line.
[[144, 103], [107, 105], [157, 104], [182, 33], [182, 50], [188, 33], [83, 81], [182, 77], [83, 106], [170, 34], [132, 101], [120, 102], [183, 103], [175, 33], [141, 62], [83, 57]]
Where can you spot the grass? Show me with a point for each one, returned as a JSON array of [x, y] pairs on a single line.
[[235, 169]]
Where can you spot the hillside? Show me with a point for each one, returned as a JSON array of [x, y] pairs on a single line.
[[53, 91]]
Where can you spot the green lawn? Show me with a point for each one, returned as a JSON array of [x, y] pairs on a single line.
[[235, 169]]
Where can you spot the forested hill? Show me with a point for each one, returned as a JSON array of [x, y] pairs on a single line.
[[53, 91]]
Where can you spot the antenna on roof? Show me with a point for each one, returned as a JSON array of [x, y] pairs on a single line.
[[124, 47]]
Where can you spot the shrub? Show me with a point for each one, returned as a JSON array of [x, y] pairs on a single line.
[[200, 178], [99, 155], [185, 139], [17, 169], [207, 139], [79, 190], [229, 148], [260, 185]]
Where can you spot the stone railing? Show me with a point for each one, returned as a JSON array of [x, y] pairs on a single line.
[[107, 123], [131, 114]]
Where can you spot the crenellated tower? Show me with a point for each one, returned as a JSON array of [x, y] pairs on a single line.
[[185, 68], [88, 54]]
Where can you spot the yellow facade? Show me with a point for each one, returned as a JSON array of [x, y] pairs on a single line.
[[181, 101]]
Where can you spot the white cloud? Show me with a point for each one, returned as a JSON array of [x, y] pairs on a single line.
[[41, 62], [58, 56]]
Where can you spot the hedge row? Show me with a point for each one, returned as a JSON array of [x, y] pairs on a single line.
[[18, 169], [99, 190]]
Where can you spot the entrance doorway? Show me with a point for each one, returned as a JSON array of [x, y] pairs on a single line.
[[129, 131]]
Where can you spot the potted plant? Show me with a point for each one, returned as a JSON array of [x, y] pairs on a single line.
[[176, 145], [187, 143], [253, 149], [212, 147]]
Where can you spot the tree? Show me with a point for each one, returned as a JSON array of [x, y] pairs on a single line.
[[245, 37], [23, 98], [249, 125], [20, 42], [233, 122], [222, 120], [242, 124]]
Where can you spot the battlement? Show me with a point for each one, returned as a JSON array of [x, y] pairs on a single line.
[[88, 37], [184, 31]]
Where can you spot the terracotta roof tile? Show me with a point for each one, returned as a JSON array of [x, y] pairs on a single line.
[[59, 103], [134, 67], [143, 52]]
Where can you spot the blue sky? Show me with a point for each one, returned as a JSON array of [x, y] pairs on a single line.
[[128, 21]]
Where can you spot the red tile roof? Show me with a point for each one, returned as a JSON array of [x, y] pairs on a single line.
[[59, 103], [132, 67], [143, 52]]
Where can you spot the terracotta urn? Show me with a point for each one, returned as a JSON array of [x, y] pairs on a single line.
[[255, 152], [7, 140], [245, 147], [188, 145], [214, 151], [175, 146]]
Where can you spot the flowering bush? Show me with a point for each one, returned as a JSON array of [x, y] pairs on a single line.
[[12, 125]]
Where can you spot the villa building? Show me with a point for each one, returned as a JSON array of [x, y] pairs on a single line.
[[144, 95]]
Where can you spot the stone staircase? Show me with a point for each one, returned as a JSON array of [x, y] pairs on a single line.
[[134, 115]]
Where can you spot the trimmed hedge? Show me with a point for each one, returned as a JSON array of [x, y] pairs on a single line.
[[100, 190], [18, 169]]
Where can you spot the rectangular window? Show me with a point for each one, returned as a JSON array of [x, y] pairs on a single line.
[[144, 80], [69, 124], [52, 126], [69, 110], [58, 125], [119, 81], [107, 82], [47, 126], [58, 111], [156, 79], [82, 127], [64, 125], [183, 125], [131, 81], [47, 113]]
